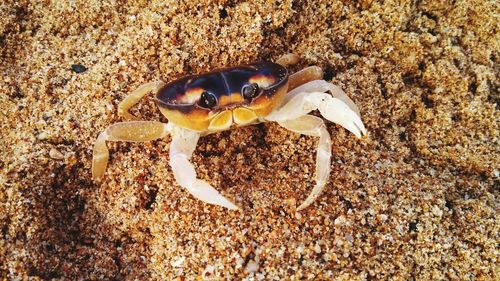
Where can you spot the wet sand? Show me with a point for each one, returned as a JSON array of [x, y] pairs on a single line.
[[417, 199]]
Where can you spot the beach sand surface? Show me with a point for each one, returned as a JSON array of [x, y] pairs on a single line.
[[416, 199]]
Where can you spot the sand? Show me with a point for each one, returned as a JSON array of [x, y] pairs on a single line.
[[417, 199]]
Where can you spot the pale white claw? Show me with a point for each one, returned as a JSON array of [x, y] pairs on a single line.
[[323, 86], [336, 107], [337, 111]]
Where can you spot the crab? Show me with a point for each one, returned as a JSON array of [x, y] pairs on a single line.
[[222, 99]]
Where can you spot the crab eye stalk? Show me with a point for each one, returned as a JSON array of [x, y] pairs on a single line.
[[207, 100], [250, 91]]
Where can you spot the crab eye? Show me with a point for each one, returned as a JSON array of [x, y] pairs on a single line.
[[250, 91], [207, 100]]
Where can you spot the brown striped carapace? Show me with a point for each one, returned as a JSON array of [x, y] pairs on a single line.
[[214, 101]]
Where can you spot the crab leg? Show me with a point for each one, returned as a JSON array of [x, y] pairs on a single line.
[[182, 147], [337, 108], [133, 131], [134, 97], [288, 59], [314, 126], [303, 76]]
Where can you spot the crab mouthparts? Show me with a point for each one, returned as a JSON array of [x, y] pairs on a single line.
[[240, 116]]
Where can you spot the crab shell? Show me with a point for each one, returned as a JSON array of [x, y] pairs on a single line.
[[178, 100]]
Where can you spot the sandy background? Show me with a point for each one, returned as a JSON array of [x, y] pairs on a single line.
[[418, 199]]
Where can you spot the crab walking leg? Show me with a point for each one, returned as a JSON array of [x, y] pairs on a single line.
[[288, 59], [303, 76], [134, 97], [133, 131], [182, 147], [314, 126]]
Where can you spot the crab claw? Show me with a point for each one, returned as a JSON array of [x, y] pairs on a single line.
[[337, 111], [334, 109]]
